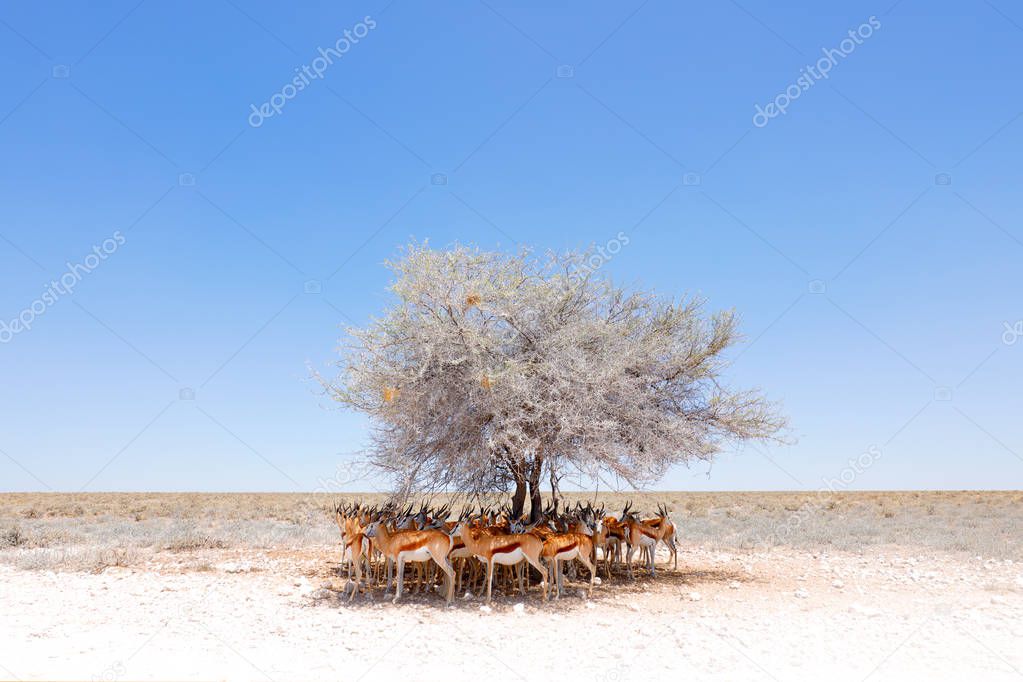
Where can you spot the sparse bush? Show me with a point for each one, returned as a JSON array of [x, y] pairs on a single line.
[[192, 544], [13, 537], [121, 557]]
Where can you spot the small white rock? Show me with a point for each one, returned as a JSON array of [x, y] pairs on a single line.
[[633, 607], [734, 585], [838, 584], [485, 609], [802, 594], [519, 608], [856, 607], [695, 596], [590, 605], [467, 596]]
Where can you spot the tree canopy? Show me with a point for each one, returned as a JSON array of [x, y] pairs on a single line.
[[496, 371]]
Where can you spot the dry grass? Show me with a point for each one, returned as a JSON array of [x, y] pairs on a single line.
[[92, 531]]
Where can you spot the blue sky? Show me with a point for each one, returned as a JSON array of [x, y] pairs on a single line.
[[870, 236]]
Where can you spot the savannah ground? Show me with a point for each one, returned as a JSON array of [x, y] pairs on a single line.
[[772, 586]]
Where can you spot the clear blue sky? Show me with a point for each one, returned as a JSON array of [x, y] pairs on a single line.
[[870, 236]]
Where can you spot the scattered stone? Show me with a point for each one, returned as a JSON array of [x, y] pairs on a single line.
[[837, 584], [734, 585], [864, 611], [467, 596], [485, 609], [519, 608], [695, 596], [802, 594]]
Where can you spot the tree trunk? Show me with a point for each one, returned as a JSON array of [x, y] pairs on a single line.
[[535, 502], [519, 497], [555, 489]]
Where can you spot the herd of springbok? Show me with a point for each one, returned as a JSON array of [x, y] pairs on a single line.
[[375, 540]]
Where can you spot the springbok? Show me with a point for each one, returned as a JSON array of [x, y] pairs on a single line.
[[506, 549], [669, 538], [614, 538], [640, 535], [413, 545], [356, 546], [560, 547]]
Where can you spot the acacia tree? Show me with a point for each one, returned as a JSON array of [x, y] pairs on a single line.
[[493, 370]]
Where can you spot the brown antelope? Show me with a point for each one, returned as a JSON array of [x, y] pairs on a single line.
[[506, 549], [614, 538], [340, 514], [349, 521], [413, 545], [669, 538], [560, 547], [640, 535], [357, 547], [593, 523]]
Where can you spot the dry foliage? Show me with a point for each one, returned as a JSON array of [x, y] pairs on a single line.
[[496, 372]]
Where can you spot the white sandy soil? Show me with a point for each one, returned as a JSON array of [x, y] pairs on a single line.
[[781, 615]]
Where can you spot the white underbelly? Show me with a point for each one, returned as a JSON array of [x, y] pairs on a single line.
[[508, 558], [421, 554], [647, 541], [567, 555]]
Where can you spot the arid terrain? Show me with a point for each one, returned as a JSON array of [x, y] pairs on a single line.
[[772, 586]]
